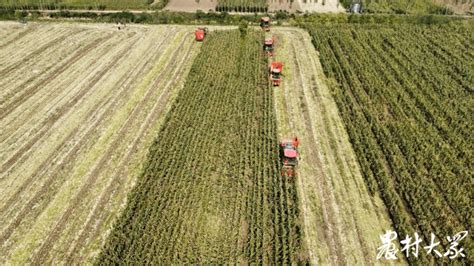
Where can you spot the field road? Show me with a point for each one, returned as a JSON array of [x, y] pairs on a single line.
[[341, 221], [79, 106]]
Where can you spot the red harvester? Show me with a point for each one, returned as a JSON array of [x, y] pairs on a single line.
[[276, 69], [265, 23], [200, 33], [268, 46], [289, 156]]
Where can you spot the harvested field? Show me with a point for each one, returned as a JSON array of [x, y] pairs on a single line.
[[79, 106], [140, 145], [341, 220]]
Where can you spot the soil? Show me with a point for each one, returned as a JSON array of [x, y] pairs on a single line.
[[191, 5], [318, 6]]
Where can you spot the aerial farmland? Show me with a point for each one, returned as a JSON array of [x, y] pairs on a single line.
[[294, 140], [80, 106]]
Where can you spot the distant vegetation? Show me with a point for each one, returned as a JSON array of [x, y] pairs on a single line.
[[77, 4], [251, 6], [242, 5], [378, 19], [410, 6], [224, 18]]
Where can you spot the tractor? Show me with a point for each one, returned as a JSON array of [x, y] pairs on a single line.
[[265, 23], [289, 156], [268, 46], [200, 33], [275, 73]]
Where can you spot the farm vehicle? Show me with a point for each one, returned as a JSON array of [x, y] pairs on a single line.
[[200, 33], [276, 69], [289, 156], [268, 46], [265, 23]]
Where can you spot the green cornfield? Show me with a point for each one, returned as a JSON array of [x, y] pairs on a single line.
[[242, 6], [211, 190], [406, 96]]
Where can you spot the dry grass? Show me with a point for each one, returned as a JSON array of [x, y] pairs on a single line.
[[78, 114]]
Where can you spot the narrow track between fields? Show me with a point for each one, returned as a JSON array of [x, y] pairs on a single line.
[[342, 222]]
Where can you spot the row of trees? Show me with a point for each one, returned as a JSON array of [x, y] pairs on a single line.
[[242, 6], [211, 189], [223, 17], [405, 95], [78, 4]]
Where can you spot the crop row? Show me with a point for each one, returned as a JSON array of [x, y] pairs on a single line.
[[211, 189], [242, 6], [406, 98]]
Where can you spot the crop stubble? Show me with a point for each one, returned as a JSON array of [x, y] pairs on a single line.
[[88, 121]]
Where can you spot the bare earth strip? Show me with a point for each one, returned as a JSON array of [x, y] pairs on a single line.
[[341, 221], [318, 6], [191, 5], [76, 122]]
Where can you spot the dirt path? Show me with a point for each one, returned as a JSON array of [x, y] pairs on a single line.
[[69, 165], [342, 222], [191, 5], [320, 6]]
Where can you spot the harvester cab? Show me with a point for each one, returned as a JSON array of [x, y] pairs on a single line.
[[200, 33], [289, 156], [265, 23], [268, 46], [276, 69]]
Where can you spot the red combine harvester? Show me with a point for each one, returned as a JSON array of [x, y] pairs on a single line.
[[265, 23], [289, 156], [268, 46], [200, 33], [275, 73]]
